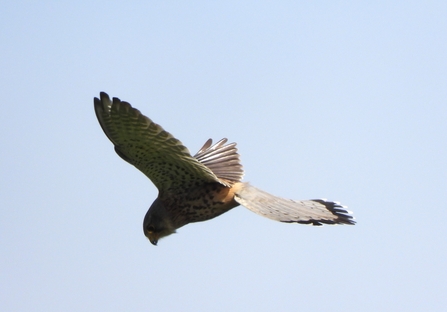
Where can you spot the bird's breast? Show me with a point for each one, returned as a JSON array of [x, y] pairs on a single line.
[[199, 203]]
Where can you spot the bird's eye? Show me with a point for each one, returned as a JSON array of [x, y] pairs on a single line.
[[151, 229]]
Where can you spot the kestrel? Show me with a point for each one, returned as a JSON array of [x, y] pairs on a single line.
[[200, 187]]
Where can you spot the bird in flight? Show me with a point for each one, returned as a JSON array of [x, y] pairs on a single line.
[[200, 187]]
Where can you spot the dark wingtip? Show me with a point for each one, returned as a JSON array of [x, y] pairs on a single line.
[[338, 210]]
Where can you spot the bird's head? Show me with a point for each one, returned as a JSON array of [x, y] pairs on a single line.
[[157, 223]]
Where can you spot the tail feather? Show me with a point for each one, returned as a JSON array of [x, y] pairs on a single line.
[[315, 211], [222, 160]]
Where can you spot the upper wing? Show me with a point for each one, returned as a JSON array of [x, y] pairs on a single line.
[[144, 144], [315, 212]]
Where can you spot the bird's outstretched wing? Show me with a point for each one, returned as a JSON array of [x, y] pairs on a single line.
[[154, 151], [315, 212]]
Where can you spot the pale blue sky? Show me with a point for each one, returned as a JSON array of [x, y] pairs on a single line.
[[337, 99]]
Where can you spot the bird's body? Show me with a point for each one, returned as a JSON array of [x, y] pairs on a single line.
[[195, 203], [199, 188]]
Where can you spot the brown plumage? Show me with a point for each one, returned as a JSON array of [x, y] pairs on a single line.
[[198, 188]]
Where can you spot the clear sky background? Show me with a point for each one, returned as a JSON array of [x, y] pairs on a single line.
[[342, 100]]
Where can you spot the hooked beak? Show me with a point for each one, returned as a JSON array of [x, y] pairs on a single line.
[[153, 238]]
